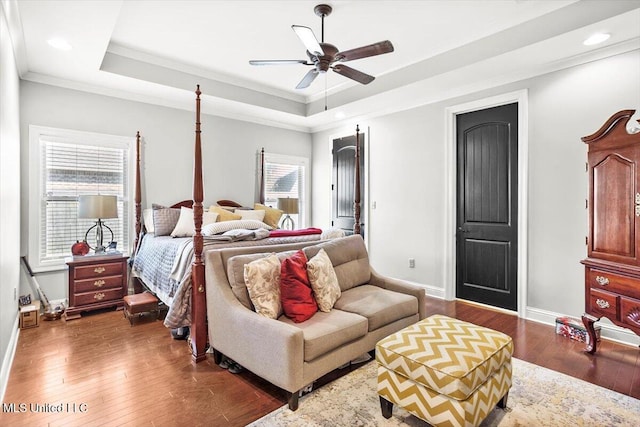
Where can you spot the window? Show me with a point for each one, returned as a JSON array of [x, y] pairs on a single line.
[[65, 164], [287, 176]]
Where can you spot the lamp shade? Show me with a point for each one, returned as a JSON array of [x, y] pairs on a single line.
[[98, 206], [288, 205]]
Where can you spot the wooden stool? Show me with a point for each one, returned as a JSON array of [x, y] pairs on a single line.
[[444, 371], [139, 304]]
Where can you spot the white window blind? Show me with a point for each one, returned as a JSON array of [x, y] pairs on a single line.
[[287, 176], [69, 166]]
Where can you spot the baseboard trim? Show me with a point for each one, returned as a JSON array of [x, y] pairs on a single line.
[[7, 360], [431, 291]]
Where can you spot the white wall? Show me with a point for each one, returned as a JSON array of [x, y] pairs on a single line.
[[407, 179], [229, 148], [10, 200]]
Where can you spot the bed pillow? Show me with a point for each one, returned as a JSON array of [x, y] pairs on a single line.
[[262, 278], [147, 220], [164, 219], [271, 215], [296, 294], [256, 214], [221, 227], [224, 214], [185, 226], [324, 281]]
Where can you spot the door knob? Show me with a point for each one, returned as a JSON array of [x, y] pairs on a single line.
[[463, 230]]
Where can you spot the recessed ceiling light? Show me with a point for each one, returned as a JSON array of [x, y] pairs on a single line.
[[596, 38], [59, 44], [340, 115]]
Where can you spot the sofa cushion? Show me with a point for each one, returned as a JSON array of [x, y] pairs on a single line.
[[349, 258], [262, 278], [324, 282], [380, 306], [325, 332], [298, 303], [235, 274]]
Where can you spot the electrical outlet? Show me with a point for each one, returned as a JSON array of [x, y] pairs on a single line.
[[15, 293], [412, 263]]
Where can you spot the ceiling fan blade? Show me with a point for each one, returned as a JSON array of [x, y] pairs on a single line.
[[308, 39], [365, 51], [356, 75], [279, 62], [307, 79]]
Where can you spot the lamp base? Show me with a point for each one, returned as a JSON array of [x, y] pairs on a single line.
[[287, 223]]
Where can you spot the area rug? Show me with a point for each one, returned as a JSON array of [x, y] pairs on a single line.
[[538, 397]]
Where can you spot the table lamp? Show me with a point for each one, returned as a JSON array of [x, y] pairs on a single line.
[[289, 206], [98, 207]]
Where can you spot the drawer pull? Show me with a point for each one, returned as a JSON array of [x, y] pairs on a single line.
[[99, 270], [99, 283], [602, 303], [602, 281], [98, 296]]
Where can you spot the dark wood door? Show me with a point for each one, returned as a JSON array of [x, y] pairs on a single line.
[[487, 201], [343, 185], [614, 202]]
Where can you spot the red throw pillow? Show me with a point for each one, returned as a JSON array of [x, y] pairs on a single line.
[[298, 303]]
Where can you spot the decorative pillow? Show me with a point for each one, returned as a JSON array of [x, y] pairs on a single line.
[[295, 290], [271, 216], [221, 227], [251, 214], [164, 219], [324, 281], [262, 278], [185, 226], [147, 220], [224, 214]]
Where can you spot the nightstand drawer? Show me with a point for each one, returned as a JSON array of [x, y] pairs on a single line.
[[604, 303], [616, 283], [97, 284], [98, 270], [98, 296]]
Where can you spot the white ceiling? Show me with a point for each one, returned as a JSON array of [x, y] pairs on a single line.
[[157, 51]]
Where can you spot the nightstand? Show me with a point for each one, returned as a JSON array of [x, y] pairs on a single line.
[[95, 282]]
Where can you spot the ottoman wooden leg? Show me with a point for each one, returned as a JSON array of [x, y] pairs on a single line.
[[503, 402], [386, 407]]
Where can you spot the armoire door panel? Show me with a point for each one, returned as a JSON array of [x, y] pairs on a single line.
[[613, 218]]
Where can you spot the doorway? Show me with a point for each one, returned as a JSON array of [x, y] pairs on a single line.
[[343, 183], [487, 206]]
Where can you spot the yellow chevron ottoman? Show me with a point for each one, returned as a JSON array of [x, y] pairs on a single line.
[[445, 371]]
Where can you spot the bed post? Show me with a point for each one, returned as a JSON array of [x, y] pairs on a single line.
[[138, 196], [198, 330], [356, 198], [262, 195]]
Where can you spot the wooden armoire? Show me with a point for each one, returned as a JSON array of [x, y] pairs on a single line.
[[612, 266]]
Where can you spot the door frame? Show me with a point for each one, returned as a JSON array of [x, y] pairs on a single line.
[[521, 98]]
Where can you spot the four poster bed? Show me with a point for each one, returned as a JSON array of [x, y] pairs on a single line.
[[173, 268]]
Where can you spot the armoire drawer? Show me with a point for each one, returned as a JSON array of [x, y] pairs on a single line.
[[611, 282], [630, 312], [604, 303]]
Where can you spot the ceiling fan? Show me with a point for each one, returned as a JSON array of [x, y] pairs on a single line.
[[324, 56]]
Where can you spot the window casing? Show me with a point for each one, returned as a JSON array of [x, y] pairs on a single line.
[[65, 164], [288, 176]]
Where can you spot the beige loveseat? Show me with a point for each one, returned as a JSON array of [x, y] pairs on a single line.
[[292, 355]]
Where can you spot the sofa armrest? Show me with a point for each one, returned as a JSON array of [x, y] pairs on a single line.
[[270, 349], [402, 286]]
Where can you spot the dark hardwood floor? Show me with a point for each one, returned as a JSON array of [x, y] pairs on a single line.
[[105, 372]]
